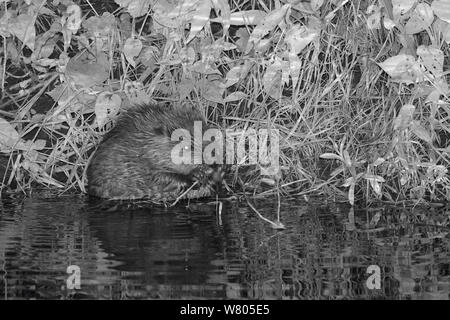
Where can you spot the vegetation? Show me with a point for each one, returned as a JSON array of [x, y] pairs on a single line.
[[357, 89]]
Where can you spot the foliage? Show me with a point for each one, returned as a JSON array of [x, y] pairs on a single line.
[[357, 89]]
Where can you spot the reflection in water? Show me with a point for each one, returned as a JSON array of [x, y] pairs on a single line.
[[129, 253]]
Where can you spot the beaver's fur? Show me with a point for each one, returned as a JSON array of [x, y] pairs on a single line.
[[134, 159]]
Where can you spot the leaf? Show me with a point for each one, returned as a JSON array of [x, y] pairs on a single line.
[[295, 66], [5, 22], [303, 6], [235, 74], [402, 68], [199, 19], [47, 48], [60, 92], [131, 49], [235, 96], [443, 27], [347, 159], [374, 177], [185, 87], [378, 161], [23, 28], [375, 186], [376, 218], [100, 26], [267, 25], [374, 20], [85, 72], [421, 132], [388, 23], [243, 37], [268, 181], [400, 7], [213, 51], [272, 79], [337, 171], [298, 37], [213, 91], [8, 136], [421, 18], [331, 15], [149, 56], [183, 7], [228, 46], [204, 68], [245, 18], [441, 9], [316, 4], [37, 7], [29, 145], [285, 72], [331, 156], [161, 10], [74, 18], [107, 106], [39, 144], [225, 12], [433, 59], [404, 178], [404, 117], [136, 8]]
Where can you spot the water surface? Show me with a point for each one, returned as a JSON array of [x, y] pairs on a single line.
[[131, 252]]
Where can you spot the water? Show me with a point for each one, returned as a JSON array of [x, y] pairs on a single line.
[[193, 253]]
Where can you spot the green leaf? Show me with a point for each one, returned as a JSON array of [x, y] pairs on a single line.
[[244, 18], [441, 9], [331, 156], [23, 28], [235, 96], [73, 18], [136, 8], [8, 136], [421, 19], [402, 68], [421, 132], [199, 19], [131, 49], [432, 59], [404, 117], [267, 25]]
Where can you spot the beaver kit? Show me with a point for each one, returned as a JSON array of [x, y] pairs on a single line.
[[134, 160]]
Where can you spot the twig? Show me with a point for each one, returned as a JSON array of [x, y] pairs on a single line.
[[276, 225], [183, 194]]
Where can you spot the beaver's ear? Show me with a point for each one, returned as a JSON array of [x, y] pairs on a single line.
[[162, 130]]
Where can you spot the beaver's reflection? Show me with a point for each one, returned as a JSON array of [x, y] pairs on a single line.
[[173, 246]]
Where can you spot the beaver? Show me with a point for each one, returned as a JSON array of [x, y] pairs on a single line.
[[134, 159]]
